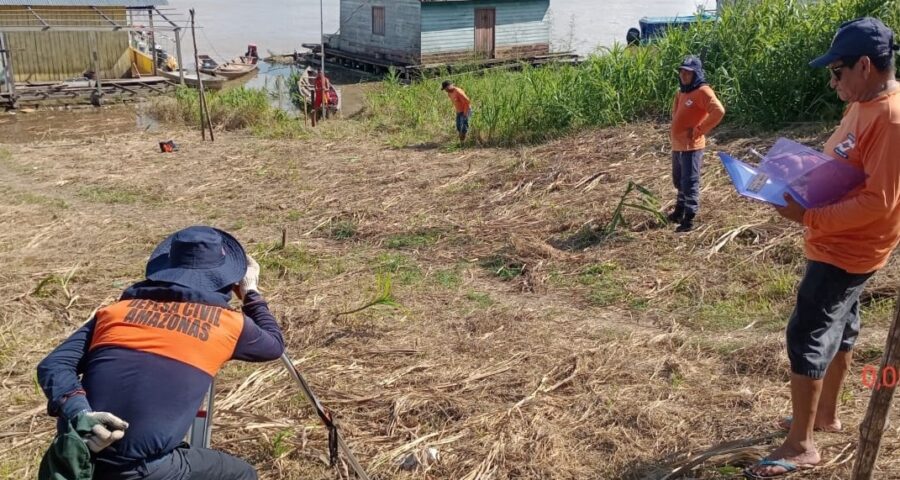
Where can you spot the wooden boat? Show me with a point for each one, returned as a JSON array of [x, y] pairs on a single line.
[[190, 79], [306, 87], [207, 64], [236, 68]]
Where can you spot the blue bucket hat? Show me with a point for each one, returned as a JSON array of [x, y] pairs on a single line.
[[692, 63], [200, 258], [864, 36]]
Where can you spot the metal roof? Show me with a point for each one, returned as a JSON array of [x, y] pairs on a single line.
[[84, 3]]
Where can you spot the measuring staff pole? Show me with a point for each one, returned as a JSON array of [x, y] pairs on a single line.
[[335, 440]]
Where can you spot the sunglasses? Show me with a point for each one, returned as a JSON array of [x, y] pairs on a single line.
[[838, 70]]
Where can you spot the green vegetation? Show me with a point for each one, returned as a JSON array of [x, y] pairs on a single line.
[[233, 109], [448, 278], [418, 239], [384, 295], [402, 268], [605, 287], [756, 59], [480, 299], [503, 266], [29, 198], [288, 261], [343, 229], [280, 444], [590, 235]]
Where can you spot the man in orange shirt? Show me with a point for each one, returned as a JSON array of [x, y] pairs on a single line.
[[320, 96], [695, 112], [462, 105], [845, 242]]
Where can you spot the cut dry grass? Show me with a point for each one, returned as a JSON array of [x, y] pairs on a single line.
[[511, 358]]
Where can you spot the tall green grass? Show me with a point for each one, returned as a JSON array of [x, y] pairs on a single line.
[[755, 57], [234, 109]]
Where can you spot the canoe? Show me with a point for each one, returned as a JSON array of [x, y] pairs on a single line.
[[190, 79], [236, 68], [207, 64]]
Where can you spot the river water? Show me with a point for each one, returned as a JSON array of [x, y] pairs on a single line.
[[280, 26]]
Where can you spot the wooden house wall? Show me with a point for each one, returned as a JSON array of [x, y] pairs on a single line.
[[55, 55], [401, 40], [448, 29]]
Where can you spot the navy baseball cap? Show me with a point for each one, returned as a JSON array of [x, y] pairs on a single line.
[[864, 36]]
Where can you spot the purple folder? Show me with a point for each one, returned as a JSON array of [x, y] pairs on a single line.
[[812, 178]]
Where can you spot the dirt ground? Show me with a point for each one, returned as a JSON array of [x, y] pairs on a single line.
[[504, 349]]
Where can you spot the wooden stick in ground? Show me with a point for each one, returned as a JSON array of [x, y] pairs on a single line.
[[872, 428], [204, 111]]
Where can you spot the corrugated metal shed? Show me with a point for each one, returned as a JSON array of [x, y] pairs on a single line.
[[84, 3]]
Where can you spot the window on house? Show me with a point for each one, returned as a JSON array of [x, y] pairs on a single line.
[[377, 20]]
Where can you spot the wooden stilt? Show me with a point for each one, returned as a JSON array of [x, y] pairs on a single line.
[[872, 428], [205, 121]]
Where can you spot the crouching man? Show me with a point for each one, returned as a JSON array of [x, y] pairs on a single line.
[[128, 383]]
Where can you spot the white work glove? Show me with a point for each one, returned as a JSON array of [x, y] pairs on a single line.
[[110, 429], [251, 278]]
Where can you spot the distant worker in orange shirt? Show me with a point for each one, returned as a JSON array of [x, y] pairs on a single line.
[[845, 242], [321, 88], [463, 108], [695, 112]]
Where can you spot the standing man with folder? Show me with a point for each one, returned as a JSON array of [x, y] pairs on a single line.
[[695, 113], [845, 242]]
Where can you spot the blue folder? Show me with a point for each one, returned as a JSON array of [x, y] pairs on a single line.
[[750, 182]]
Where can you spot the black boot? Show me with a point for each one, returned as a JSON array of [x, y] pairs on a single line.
[[687, 223], [677, 215]]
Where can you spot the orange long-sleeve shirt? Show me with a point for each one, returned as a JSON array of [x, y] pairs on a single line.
[[460, 100], [699, 112], [859, 232]]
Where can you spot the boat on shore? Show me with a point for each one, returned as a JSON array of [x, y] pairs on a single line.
[[210, 82]]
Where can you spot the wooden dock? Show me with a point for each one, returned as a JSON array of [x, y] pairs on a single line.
[[85, 91], [409, 71]]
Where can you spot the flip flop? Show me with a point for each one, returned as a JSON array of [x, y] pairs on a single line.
[[785, 424], [789, 467]]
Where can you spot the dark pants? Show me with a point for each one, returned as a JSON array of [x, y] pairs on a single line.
[[462, 122], [686, 177], [185, 463], [825, 319]]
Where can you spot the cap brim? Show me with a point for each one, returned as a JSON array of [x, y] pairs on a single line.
[[824, 60], [229, 273], [688, 69]]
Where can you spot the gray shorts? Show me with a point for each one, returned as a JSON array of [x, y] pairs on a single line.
[[184, 463], [825, 319]]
